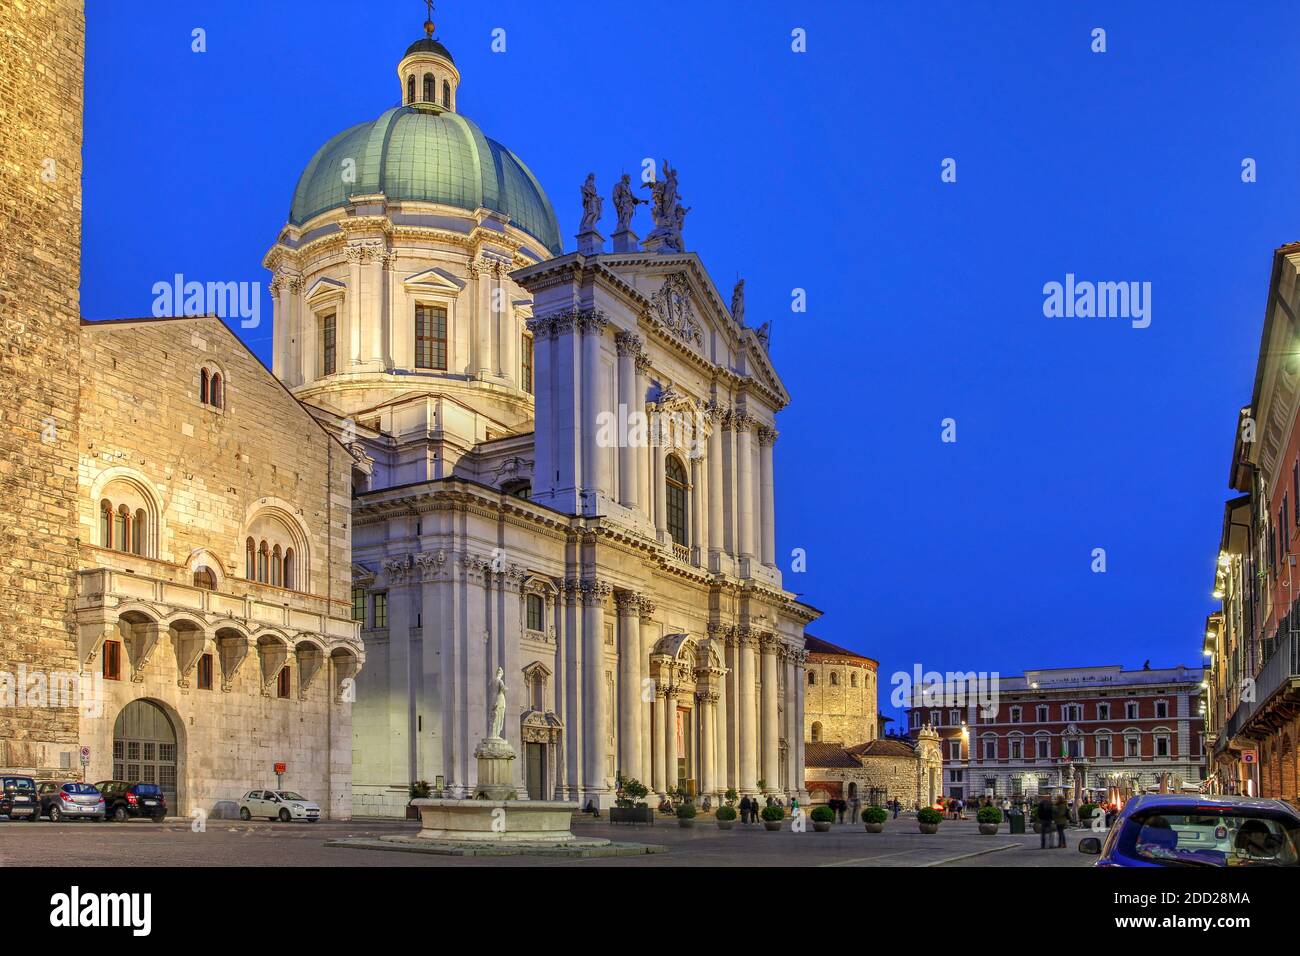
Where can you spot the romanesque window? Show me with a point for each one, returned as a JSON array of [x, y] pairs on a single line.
[[429, 87], [853, 680], [359, 605], [410, 88], [835, 679], [270, 554], [675, 498], [290, 573], [211, 388], [812, 678], [328, 343], [535, 612], [277, 564], [446, 95], [526, 364], [431, 337], [204, 578], [816, 731], [121, 527]]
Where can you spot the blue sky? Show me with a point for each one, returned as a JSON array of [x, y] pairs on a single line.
[[821, 171]]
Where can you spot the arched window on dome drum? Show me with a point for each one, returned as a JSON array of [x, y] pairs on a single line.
[[328, 352], [410, 88], [446, 95], [431, 337], [675, 497], [429, 96], [250, 560]]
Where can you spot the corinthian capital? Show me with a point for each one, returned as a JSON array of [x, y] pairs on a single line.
[[627, 343]]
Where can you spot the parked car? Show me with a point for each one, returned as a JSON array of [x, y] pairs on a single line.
[[1165, 829], [282, 805], [18, 799], [123, 799], [71, 800]]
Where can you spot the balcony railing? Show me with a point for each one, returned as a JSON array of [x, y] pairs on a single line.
[[1280, 668]]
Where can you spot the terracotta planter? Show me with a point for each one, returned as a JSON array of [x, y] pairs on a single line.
[[773, 824], [929, 827], [989, 829], [821, 827], [875, 827]]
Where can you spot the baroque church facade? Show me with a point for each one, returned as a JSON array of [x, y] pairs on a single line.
[[562, 466]]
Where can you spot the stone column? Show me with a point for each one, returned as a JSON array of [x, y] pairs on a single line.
[[708, 734], [771, 724], [716, 491], [371, 326], [641, 456], [592, 325], [767, 491], [800, 688], [507, 334], [629, 690], [722, 772], [697, 521], [481, 270], [350, 346], [648, 637], [279, 326], [595, 745], [748, 756], [730, 483], [401, 720], [573, 677], [510, 589], [659, 776], [744, 488], [629, 347], [661, 499], [670, 735]]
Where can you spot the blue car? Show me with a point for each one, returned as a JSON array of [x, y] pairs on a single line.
[[1168, 829]]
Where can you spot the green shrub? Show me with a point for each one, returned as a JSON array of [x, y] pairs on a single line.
[[731, 797], [686, 811], [772, 813], [726, 813], [629, 791], [420, 789], [989, 815], [1087, 810], [929, 815], [822, 815], [875, 815]]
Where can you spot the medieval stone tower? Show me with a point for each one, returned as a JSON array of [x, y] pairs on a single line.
[[42, 45]]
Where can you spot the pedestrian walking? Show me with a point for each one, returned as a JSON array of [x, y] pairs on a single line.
[[1061, 817], [1043, 814], [744, 810]]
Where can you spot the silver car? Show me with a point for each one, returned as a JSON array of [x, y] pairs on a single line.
[[70, 800], [282, 805]]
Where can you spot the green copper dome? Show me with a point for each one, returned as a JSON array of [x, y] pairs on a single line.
[[418, 153]]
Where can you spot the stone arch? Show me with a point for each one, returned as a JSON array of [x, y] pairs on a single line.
[[262, 519], [145, 719], [134, 489], [344, 664], [204, 559], [310, 655]]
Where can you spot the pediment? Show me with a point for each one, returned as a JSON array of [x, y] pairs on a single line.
[[434, 279], [325, 288]]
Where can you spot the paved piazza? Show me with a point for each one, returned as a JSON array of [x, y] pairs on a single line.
[[233, 843]]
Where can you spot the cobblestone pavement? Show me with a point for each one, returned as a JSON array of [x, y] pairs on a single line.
[[233, 843]]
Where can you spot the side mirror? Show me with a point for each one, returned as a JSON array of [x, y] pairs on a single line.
[[1090, 845]]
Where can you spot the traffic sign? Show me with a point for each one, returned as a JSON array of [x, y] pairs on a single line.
[[1250, 756], [85, 756]]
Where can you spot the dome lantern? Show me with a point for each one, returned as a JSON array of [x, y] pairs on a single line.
[[427, 73]]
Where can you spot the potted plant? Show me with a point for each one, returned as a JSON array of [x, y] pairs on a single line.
[[928, 819], [629, 803], [418, 790], [1086, 813], [772, 816], [874, 818], [989, 817], [686, 815], [822, 818], [725, 816]]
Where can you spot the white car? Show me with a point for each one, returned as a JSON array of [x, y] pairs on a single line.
[[282, 805]]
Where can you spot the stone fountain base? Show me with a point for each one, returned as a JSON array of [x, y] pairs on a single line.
[[496, 821]]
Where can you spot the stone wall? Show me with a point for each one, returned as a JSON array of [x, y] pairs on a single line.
[[41, 56], [846, 713], [899, 777]]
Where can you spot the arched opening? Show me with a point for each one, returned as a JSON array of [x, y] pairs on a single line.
[[216, 398], [429, 96], [675, 498], [410, 88], [446, 95], [203, 386], [817, 731], [145, 748], [204, 578]]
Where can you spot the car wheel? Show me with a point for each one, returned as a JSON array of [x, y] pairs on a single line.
[[119, 814], [244, 814], [313, 819], [284, 816], [55, 815], [159, 817]]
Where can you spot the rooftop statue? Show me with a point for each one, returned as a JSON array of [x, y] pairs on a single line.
[[625, 202], [592, 202]]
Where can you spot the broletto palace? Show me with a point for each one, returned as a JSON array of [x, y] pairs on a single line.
[[475, 451]]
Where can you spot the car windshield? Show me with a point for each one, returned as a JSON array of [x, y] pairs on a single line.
[[79, 788], [1211, 836], [289, 795], [18, 783], [148, 789]]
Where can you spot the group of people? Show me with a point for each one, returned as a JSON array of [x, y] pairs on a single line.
[[1051, 815], [749, 807]]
